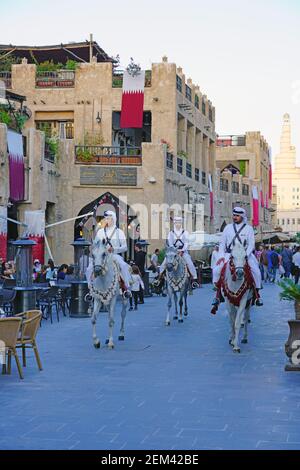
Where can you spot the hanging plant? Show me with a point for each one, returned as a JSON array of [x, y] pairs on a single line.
[[5, 117]]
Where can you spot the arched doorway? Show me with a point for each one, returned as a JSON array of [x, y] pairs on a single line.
[[126, 220]]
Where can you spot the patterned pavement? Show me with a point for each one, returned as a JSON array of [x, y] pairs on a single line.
[[177, 387]]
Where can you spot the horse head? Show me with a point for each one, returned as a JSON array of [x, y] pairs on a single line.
[[100, 256], [171, 258], [237, 261]]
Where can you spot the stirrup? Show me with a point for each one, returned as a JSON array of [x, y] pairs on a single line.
[[195, 284], [216, 302], [259, 303]]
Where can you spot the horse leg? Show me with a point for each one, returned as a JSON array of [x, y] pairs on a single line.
[[123, 316], [238, 321], [111, 322], [176, 306], [168, 323], [180, 308], [231, 314], [247, 316], [96, 340], [185, 304]]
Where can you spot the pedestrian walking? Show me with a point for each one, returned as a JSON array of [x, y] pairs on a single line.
[[137, 285], [287, 260], [296, 261]]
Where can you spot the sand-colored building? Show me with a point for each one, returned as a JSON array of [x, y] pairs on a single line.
[[244, 162], [287, 180], [97, 163]]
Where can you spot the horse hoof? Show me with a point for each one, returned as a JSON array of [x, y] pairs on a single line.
[[249, 321], [180, 321], [107, 341], [185, 314], [97, 345], [242, 325], [244, 341], [236, 350], [175, 318], [121, 338], [111, 346], [168, 323]]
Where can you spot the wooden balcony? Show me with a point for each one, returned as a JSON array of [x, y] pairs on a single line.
[[103, 155]]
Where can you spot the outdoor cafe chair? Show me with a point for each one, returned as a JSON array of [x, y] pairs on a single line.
[[7, 300], [27, 339], [47, 300], [9, 332]]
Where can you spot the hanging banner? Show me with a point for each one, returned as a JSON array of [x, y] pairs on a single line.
[[255, 207], [211, 196], [16, 166], [36, 232], [3, 233], [133, 100]]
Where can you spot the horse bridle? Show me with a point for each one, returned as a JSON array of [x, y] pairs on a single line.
[[104, 266]]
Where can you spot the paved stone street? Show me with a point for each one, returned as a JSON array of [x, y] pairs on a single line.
[[163, 388]]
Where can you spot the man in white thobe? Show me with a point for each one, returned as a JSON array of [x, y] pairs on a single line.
[[238, 232], [116, 239], [179, 238]]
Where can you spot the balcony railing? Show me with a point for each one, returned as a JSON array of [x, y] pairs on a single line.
[[55, 79], [6, 78], [117, 78], [103, 155], [231, 141], [169, 162]]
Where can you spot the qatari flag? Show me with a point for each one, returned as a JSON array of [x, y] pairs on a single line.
[[36, 232], [133, 100], [255, 207], [16, 166], [3, 233], [211, 196]]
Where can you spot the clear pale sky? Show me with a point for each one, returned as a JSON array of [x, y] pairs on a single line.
[[243, 54]]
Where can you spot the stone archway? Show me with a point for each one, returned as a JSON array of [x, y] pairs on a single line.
[[126, 220]]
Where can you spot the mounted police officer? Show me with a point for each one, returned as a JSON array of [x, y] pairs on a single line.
[[238, 232], [116, 240], [179, 238]]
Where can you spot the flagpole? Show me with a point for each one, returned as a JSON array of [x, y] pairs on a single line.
[[48, 248]]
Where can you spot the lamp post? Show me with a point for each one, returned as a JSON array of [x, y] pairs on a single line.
[[79, 306]]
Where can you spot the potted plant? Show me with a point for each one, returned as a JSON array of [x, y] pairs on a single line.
[[182, 154], [291, 292]]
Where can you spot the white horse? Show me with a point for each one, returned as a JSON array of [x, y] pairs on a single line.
[[105, 290], [237, 286], [177, 282]]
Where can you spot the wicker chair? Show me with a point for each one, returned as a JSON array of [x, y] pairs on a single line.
[[30, 325], [9, 332]]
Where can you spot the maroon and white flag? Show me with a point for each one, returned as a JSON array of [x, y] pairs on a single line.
[[211, 196], [3, 233], [255, 207], [133, 100], [36, 232], [16, 166]]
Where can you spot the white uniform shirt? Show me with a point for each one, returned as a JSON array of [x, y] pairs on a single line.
[[296, 259], [116, 236], [247, 234], [182, 235]]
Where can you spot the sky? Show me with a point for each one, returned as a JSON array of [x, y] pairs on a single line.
[[243, 54]]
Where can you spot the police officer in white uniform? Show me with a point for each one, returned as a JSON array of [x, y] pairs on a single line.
[[115, 238], [179, 238], [239, 232]]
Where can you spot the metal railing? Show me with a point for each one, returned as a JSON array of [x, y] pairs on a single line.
[[105, 155], [169, 162], [231, 141], [6, 78], [117, 78], [55, 79]]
